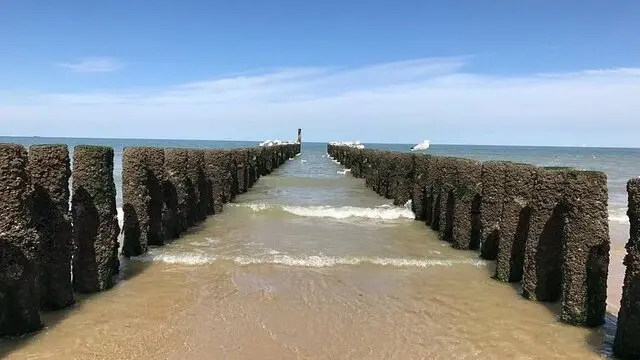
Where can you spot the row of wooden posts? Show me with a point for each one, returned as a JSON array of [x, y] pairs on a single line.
[[51, 247], [546, 227]]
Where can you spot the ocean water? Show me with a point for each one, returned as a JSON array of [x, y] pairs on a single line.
[[312, 264], [620, 164]]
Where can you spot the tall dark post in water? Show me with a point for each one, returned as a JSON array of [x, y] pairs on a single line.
[[493, 195], [420, 186], [449, 174], [627, 341], [585, 260], [514, 224], [466, 211], [142, 197], [50, 170], [155, 183], [198, 195], [95, 221], [542, 261], [19, 300], [176, 187], [299, 136], [136, 201], [216, 170]]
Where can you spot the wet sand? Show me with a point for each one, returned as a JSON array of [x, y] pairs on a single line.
[[267, 311]]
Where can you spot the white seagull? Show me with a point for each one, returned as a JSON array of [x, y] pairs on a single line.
[[422, 146]]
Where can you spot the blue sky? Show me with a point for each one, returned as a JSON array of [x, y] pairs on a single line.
[[462, 71]]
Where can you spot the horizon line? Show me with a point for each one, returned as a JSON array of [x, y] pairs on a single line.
[[322, 142]]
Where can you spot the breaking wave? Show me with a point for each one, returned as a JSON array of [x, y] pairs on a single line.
[[184, 259], [618, 215], [384, 212], [120, 216], [328, 261], [315, 261]]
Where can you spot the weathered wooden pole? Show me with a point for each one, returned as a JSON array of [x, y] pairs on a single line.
[[95, 219], [19, 300], [627, 341], [514, 223], [50, 170], [585, 258]]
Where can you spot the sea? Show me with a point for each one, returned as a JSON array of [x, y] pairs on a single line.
[[311, 264]]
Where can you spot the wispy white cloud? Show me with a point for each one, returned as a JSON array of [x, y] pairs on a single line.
[[439, 99], [93, 65], [622, 72]]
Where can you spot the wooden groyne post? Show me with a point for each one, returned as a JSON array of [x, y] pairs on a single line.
[[545, 227], [627, 340], [19, 245], [164, 192], [50, 170], [95, 219]]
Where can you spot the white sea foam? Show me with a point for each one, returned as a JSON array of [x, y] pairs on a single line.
[[383, 212], [618, 215], [257, 207], [208, 241], [212, 240], [120, 217], [343, 172], [343, 212], [354, 144], [184, 259], [315, 261]]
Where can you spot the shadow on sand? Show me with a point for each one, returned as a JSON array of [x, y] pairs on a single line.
[[129, 269], [599, 339]]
